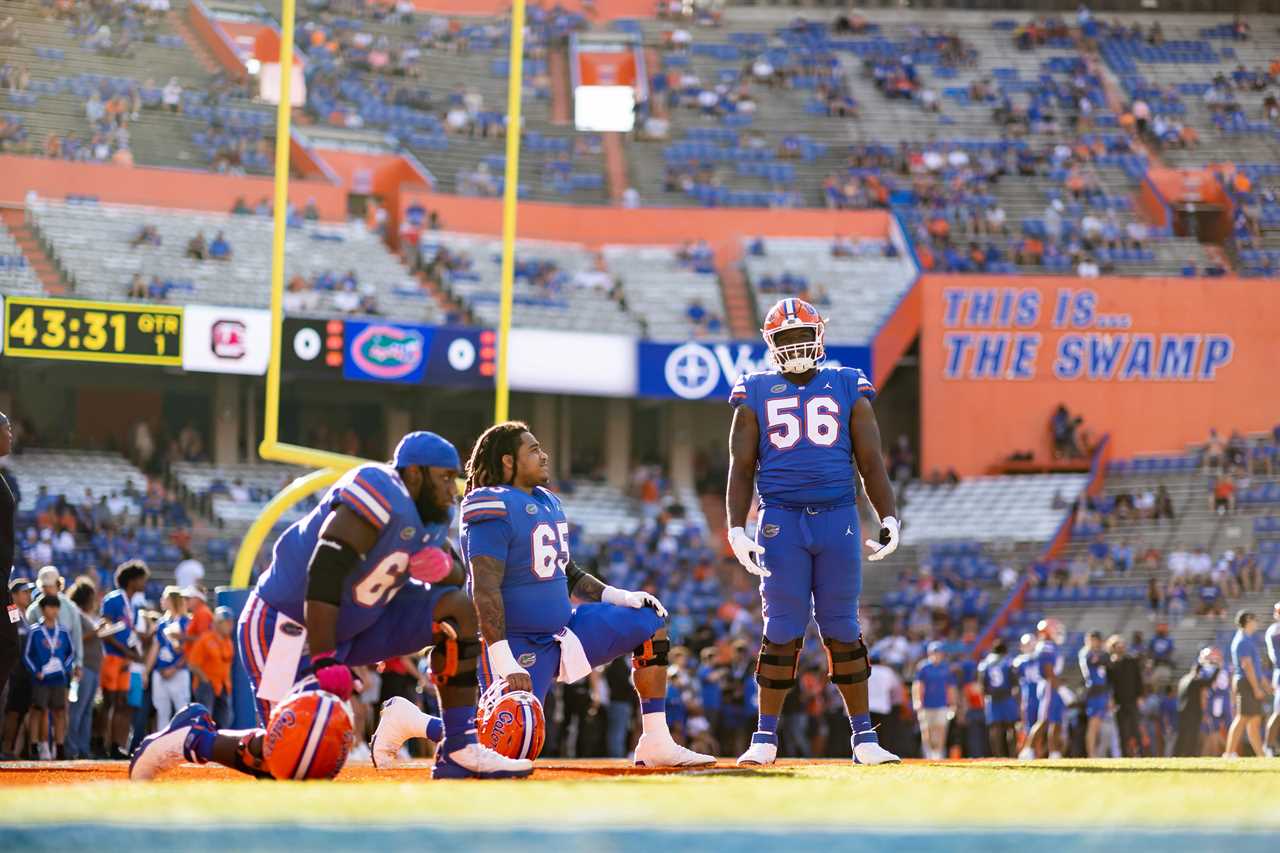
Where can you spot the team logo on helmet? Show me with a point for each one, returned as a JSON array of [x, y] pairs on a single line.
[[309, 736], [511, 724]]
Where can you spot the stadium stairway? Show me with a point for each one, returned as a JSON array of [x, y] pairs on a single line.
[[177, 21], [739, 306], [41, 264]]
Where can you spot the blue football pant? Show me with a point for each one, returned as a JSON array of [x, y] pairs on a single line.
[[606, 631], [404, 628], [814, 556]]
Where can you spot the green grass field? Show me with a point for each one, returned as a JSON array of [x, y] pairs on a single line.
[[1199, 794]]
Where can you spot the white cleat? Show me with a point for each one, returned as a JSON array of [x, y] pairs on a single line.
[[873, 753], [665, 752], [474, 761], [167, 748], [401, 721], [1055, 755], [1027, 754], [759, 755]]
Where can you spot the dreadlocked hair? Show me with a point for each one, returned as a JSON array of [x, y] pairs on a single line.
[[484, 468]]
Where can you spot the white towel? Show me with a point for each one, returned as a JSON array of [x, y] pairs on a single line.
[[573, 658]]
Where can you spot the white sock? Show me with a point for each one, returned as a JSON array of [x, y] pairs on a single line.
[[655, 724]]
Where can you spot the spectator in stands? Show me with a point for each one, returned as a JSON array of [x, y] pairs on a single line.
[[171, 96], [241, 207], [196, 248], [220, 249], [1063, 428], [1163, 507], [1250, 688], [147, 235], [238, 492], [1250, 574], [1211, 603], [50, 660], [138, 287], [1223, 497]]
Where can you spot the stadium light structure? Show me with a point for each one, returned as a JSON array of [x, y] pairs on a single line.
[[330, 466]]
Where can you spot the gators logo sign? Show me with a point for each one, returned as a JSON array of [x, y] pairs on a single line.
[[388, 352]]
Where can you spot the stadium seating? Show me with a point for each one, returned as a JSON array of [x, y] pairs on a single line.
[[77, 233], [859, 292], [564, 300], [660, 290], [72, 472], [65, 68], [234, 495], [17, 278], [985, 509], [1116, 601], [603, 511]]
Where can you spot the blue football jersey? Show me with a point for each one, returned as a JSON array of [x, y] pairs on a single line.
[[805, 457], [997, 675], [530, 535], [1047, 657], [375, 493], [168, 652], [1028, 672], [1093, 666]]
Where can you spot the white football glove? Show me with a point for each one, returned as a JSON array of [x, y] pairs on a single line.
[[746, 550], [880, 548], [632, 598]]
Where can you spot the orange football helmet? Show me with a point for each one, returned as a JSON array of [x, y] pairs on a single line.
[[308, 736], [792, 313], [511, 724], [1051, 629]]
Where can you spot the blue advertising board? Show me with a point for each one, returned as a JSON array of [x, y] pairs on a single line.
[[379, 351], [700, 370]]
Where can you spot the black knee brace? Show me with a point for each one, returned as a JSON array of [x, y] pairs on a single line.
[[650, 653], [847, 662], [453, 659], [778, 655]]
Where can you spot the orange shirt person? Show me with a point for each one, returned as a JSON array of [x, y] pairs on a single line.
[[210, 657]]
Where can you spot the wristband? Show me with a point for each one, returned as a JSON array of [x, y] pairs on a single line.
[[502, 661], [613, 595]]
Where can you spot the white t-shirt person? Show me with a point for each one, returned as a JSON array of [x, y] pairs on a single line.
[[188, 573]]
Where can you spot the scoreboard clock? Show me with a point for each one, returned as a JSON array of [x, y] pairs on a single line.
[[113, 332]]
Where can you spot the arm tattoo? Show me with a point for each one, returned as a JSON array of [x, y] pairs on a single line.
[[585, 586], [486, 574]]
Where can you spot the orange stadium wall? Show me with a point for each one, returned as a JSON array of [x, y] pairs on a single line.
[[178, 188], [1154, 362], [597, 226], [214, 38], [895, 336]]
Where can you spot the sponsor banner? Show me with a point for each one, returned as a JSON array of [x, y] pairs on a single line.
[[218, 339], [703, 370], [554, 362], [1154, 362], [378, 351]]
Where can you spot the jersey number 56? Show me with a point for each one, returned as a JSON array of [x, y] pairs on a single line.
[[819, 422]]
